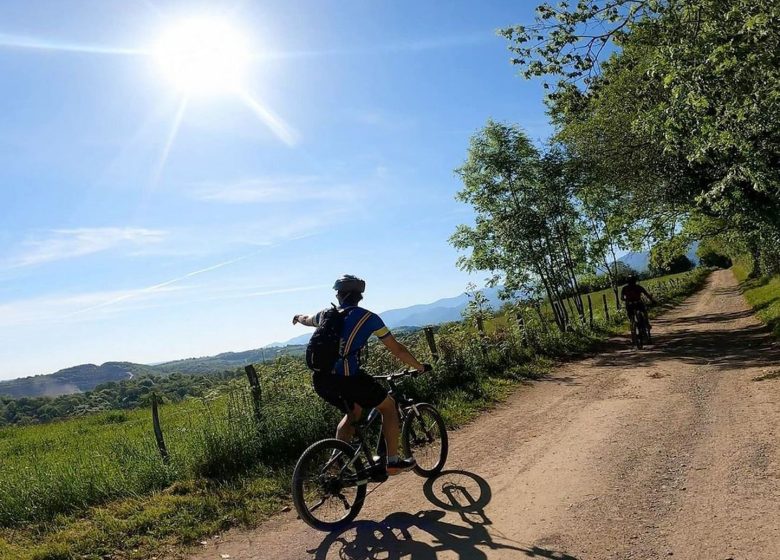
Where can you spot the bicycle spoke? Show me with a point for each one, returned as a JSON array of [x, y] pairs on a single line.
[[316, 506], [424, 439], [328, 484], [344, 501]]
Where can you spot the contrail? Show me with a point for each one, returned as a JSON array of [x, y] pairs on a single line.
[[155, 287]]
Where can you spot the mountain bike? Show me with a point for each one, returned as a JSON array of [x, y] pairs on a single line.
[[640, 329], [330, 480]]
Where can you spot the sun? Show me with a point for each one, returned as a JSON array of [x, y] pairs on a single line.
[[203, 56]]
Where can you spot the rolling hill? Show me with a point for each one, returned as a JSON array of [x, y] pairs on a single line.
[[87, 376]]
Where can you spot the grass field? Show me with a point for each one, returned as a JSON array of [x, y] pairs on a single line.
[[763, 295], [96, 485]]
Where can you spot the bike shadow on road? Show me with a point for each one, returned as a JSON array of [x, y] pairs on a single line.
[[458, 491], [711, 345]]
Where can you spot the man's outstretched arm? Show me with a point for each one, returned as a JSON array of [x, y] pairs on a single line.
[[402, 352], [307, 320]]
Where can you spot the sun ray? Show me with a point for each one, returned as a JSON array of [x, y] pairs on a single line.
[[281, 129], [166, 152], [34, 43]]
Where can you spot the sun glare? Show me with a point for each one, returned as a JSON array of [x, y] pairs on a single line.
[[203, 56]]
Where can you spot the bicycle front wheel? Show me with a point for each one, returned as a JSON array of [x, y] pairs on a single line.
[[327, 488], [424, 437]]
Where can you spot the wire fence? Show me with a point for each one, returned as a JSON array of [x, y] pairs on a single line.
[[260, 423]]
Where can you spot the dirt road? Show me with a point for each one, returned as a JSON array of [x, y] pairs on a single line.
[[667, 452]]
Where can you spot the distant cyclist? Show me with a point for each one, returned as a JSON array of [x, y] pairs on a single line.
[[348, 381], [632, 296]]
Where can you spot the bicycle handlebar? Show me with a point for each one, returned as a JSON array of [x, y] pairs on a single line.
[[404, 373]]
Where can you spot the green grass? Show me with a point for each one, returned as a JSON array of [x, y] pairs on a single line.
[[763, 295], [96, 485]]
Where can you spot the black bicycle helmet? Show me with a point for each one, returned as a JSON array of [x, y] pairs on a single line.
[[350, 283]]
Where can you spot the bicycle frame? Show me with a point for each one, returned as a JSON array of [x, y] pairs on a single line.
[[402, 405]]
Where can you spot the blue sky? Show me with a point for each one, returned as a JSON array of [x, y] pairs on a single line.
[[122, 241]]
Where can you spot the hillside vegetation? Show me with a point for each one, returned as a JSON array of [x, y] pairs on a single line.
[[763, 294], [88, 377]]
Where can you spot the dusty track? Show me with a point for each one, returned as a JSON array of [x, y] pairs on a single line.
[[667, 452]]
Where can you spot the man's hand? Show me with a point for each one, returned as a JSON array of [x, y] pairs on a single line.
[[296, 319], [424, 368]]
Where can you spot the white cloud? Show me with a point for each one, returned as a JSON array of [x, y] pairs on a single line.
[[61, 244], [54, 308]]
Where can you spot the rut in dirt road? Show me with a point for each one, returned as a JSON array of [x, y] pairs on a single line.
[[667, 452]]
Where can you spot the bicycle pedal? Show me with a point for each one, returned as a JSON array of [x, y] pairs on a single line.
[[380, 476]]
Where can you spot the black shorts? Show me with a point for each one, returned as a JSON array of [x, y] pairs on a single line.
[[633, 306], [361, 389]]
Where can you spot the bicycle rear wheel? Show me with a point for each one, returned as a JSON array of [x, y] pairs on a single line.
[[424, 437], [327, 490], [641, 328]]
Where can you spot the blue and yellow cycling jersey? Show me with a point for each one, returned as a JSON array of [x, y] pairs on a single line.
[[359, 325]]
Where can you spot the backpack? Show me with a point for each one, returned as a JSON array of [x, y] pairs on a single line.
[[325, 346]]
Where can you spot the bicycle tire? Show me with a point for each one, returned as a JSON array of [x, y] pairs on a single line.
[[298, 480], [642, 333], [411, 419]]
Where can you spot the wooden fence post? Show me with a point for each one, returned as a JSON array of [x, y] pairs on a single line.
[[562, 314], [158, 435], [590, 311], [481, 329], [566, 319], [542, 320], [606, 307], [255, 389], [431, 343], [521, 325]]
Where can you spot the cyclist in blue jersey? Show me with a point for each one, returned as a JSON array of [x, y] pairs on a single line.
[[349, 382]]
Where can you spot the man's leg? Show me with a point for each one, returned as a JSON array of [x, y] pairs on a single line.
[[346, 429], [390, 428]]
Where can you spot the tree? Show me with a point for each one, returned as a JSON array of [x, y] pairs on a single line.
[[710, 256], [478, 308], [525, 231], [673, 106], [669, 265]]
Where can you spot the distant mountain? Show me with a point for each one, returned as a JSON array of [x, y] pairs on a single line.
[[440, 311], [637, 261], [87, 376]]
